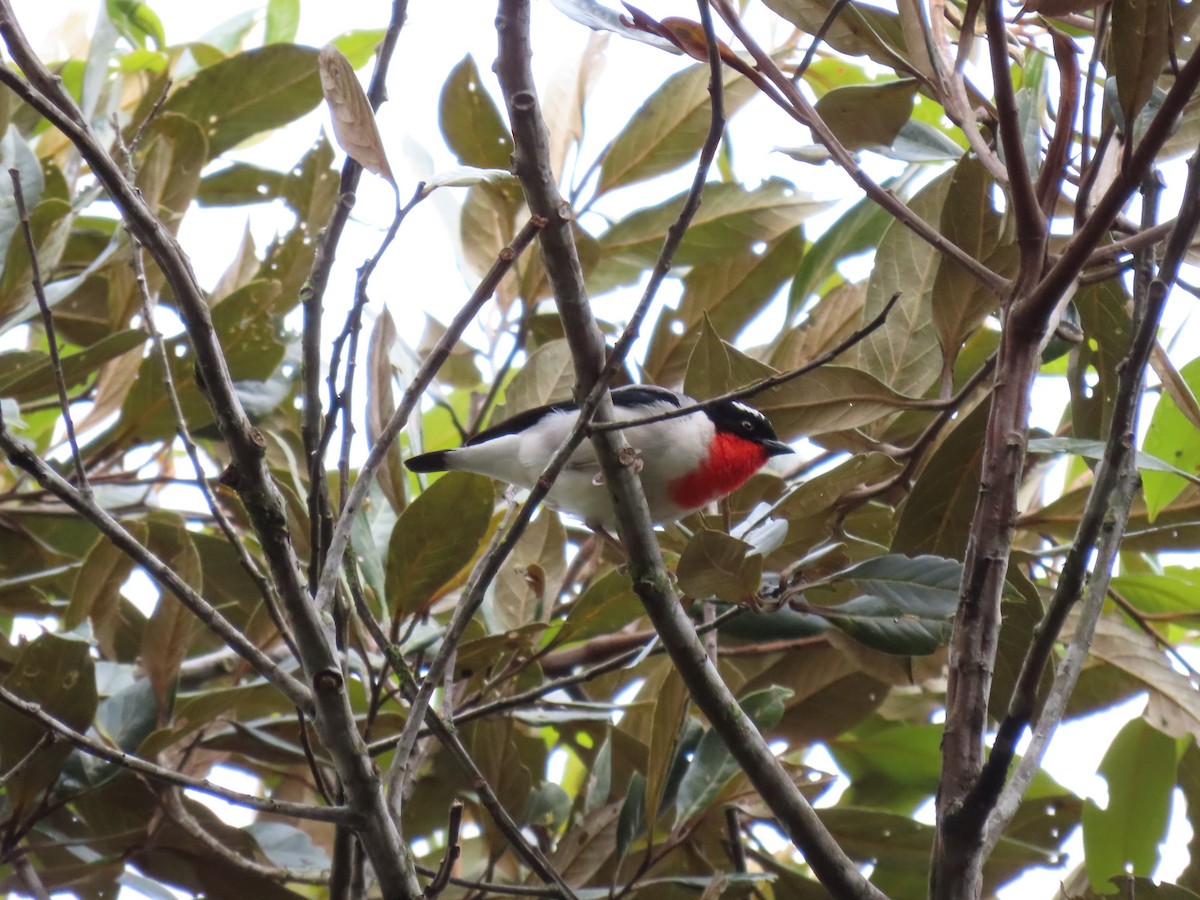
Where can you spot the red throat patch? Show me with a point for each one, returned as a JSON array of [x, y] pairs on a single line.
[[730, 463]]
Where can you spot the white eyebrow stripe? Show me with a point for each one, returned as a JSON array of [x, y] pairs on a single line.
[[748, 410]]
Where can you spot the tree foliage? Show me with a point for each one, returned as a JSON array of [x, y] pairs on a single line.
[[203, 569]]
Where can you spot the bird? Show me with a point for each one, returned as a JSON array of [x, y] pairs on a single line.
[[684, 462]]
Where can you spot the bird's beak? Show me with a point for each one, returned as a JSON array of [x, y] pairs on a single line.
[[776, 448]]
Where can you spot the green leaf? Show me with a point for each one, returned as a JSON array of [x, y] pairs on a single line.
[[136, 21], [904, 354], [359, 46], [1103, 314], [285, 87], [1095, 450], [548, 376], [528, 583], [959, 302], [730, 291], [632, 821], [1175, 590], [50, 222], [123, 720], [29, 376], [669, 128], [859, 29], [668, 718], [828, 399], [937, 515], [168, 632], [15, 153], [57, 674], [99, 581], [1138, 58], [899, 765], [868, 115], [435, 536], [712, 766], [607, 606], [239, 184], [1139, 768], [714, 564], [470, 121], [283, 19], [730, 218], [1172, 438], [859, 229], [288, 847], [907, 605]]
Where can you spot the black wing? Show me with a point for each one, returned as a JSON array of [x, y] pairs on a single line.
[[627, 396]]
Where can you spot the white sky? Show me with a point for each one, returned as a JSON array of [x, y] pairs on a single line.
[[420, 272]]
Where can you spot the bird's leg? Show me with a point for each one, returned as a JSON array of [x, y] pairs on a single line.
[[629, 456]]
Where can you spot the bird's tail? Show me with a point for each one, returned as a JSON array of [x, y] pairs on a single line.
[[437, 461]]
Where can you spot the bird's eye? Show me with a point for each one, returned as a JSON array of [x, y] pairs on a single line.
[[747, 425]]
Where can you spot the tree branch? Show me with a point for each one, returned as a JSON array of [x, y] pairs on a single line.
[[23, 458], [247, 445], [312, 296], [804, 112], [1030, 223], [39, 291], [836, 871], [336, 814], [1101, 526], [958, 848]]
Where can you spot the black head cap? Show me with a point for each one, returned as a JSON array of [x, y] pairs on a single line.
[[735, 417]]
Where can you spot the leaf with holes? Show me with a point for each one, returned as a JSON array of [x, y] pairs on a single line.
[[58, 675]]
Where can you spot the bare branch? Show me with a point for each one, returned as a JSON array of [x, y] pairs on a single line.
[[35, 275], [183, 817], [1101, 526]]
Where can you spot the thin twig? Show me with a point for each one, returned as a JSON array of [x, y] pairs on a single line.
[[449, 739], [335, 814], [453, 851], [803, 111], [183, 817], [412, 395], [312, 296], [246, 445], [265, 588], [1031, 233], [35, 275], [771, 381], [490, 887], [21, 764], [23, 458]]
